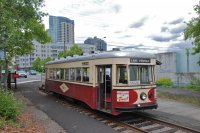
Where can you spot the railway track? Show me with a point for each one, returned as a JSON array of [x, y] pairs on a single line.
[[136, 122]]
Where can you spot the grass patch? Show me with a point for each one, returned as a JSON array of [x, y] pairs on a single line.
[[180, 98], [186, 87]]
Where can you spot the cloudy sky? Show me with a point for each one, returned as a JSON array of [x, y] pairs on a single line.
[[154, 25]]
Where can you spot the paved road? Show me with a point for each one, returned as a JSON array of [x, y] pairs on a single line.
[[70, 120], [30, 78]]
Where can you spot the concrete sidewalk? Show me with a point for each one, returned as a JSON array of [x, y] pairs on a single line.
[[180, 113]]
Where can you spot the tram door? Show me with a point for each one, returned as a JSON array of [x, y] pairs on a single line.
[[104, 79]]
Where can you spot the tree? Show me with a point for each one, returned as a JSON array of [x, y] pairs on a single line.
[[74, 50], [192, 31], [38, 63], [20, 24]]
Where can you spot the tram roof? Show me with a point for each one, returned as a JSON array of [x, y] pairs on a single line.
[[104, 55]]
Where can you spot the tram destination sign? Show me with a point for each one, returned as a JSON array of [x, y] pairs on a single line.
[[140, 60]]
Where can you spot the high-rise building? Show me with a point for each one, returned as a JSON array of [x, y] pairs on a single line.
[[100, 44], [61, 29]]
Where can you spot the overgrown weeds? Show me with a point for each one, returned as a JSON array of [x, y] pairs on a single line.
[[10, 107], [194, 84], [180, 98]]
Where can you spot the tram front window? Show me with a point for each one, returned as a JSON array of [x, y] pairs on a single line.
[[140, 74]]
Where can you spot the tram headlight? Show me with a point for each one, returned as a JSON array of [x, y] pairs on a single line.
[[143, 96]]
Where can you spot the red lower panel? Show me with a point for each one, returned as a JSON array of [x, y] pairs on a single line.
[[132, 97], [129, 98], [87, 94]]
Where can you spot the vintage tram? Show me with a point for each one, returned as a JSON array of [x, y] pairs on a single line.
[[112, 82]]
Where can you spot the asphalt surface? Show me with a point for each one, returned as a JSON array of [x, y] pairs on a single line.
[[71, 121]]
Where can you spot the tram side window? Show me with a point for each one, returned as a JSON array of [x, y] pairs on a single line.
[[58, 74], [54, 73], [62, 73], [67, 74], [86, 74], [51, 73], [72, 74], [122, 74], [78, 74]]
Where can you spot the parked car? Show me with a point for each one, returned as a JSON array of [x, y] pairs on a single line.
[[32, 72], [22, 73]]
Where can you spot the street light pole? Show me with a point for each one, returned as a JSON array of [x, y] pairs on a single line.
[[41, 73], [64, 39]]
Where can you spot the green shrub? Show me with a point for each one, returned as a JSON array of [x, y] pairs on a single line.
[[194, 84], [164, 82], [10, 108]]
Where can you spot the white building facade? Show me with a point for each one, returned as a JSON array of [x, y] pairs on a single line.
[[47, 50]]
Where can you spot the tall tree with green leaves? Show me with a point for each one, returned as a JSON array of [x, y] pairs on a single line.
[[192, 31], [38, 64], [74, 50], [20, 24]]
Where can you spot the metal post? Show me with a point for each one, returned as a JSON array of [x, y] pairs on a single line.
[[105, 87], [64, 41], [41, 73], [15, 80]]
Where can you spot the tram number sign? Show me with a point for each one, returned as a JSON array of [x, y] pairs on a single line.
[[140, 60], [85, 63], [137, 82], [122, 96]]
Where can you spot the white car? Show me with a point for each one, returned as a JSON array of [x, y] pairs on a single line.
[[22, 74]]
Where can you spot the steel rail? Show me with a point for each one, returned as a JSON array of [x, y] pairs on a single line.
[[164, 122], [102, 117]]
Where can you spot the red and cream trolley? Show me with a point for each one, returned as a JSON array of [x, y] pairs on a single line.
[[112, 82]]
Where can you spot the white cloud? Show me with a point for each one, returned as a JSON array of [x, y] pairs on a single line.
[[113, 18]]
